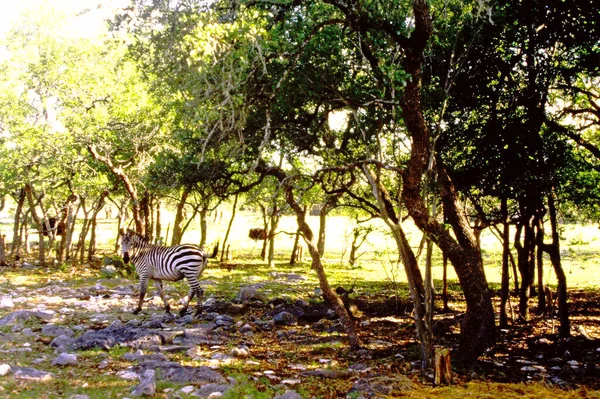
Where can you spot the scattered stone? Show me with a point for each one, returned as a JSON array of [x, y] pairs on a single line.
[[224, 320], [52, 330], [250, 293], [187, 390], [65, 359], [108, 271], [190, 375], [382, 386], [285, 319], [291, 382], [246, 329], [31, 374], [23, 315], [240, 353], [128, 375], [327, 373], [211, 390], [289, 394], [6, 302], [5, 369], [203, 336], [147, 385]]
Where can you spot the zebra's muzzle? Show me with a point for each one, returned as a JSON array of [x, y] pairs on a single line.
[[126, 257]]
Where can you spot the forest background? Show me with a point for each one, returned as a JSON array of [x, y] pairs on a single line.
[[448, 122]]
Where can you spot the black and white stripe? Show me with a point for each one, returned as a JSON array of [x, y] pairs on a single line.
[[158, 263]]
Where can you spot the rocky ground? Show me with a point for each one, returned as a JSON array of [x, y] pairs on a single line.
[[78, 339]]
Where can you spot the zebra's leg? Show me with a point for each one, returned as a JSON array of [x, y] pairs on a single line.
[[143, 289], [159, 286], [195, 290], [199, 295], [187, 302]]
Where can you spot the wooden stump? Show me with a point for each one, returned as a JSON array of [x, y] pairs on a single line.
[[443, 368]]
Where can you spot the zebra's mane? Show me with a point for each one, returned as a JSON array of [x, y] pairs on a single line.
[[137, 237]]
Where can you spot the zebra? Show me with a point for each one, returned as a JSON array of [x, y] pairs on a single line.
[[160, 263]]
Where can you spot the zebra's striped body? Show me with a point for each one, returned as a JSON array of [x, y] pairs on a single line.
[[158, 263]]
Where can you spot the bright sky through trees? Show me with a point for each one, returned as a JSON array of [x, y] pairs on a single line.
[[86, 16]]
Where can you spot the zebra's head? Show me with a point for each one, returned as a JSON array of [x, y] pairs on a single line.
[[127, 240]]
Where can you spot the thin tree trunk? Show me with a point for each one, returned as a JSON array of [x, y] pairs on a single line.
[[69, 217], [478, 330], [413, 274], [38, 222], [504, 288], [554, 251], [158, 225], [96, 211], [16, 242], [263, 252], [540, 266], [273, 224], [3, 261], [203, 226], [235, 202], [445, 284], [295, 248], [179, 218]]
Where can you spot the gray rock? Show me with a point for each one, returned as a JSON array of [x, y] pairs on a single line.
[[382, 386], [62, 341], [6, 302], [52, 330], [224, 320], [211, 390], [108, 271], [203, 336], [31, 374], [65, 359], [246, 328], [240, 353], [289, 394], [5, 369], [15, 317], [190, 375], [79, 397], [147, 385], [285, 318]]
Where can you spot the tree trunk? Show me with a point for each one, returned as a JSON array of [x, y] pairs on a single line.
[[38, 222], [96, 211], [158, 225], [554, 251], [203, 226], [179, 218], [3, 261], [69, 214], [294, 256], [330, 295], [478, 330], [539, 239], [504, 288], [233, 210], [273, 224], [16, 242], [411, 267], [263, 251]]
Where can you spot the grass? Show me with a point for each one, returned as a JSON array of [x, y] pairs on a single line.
[[376, 274]]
